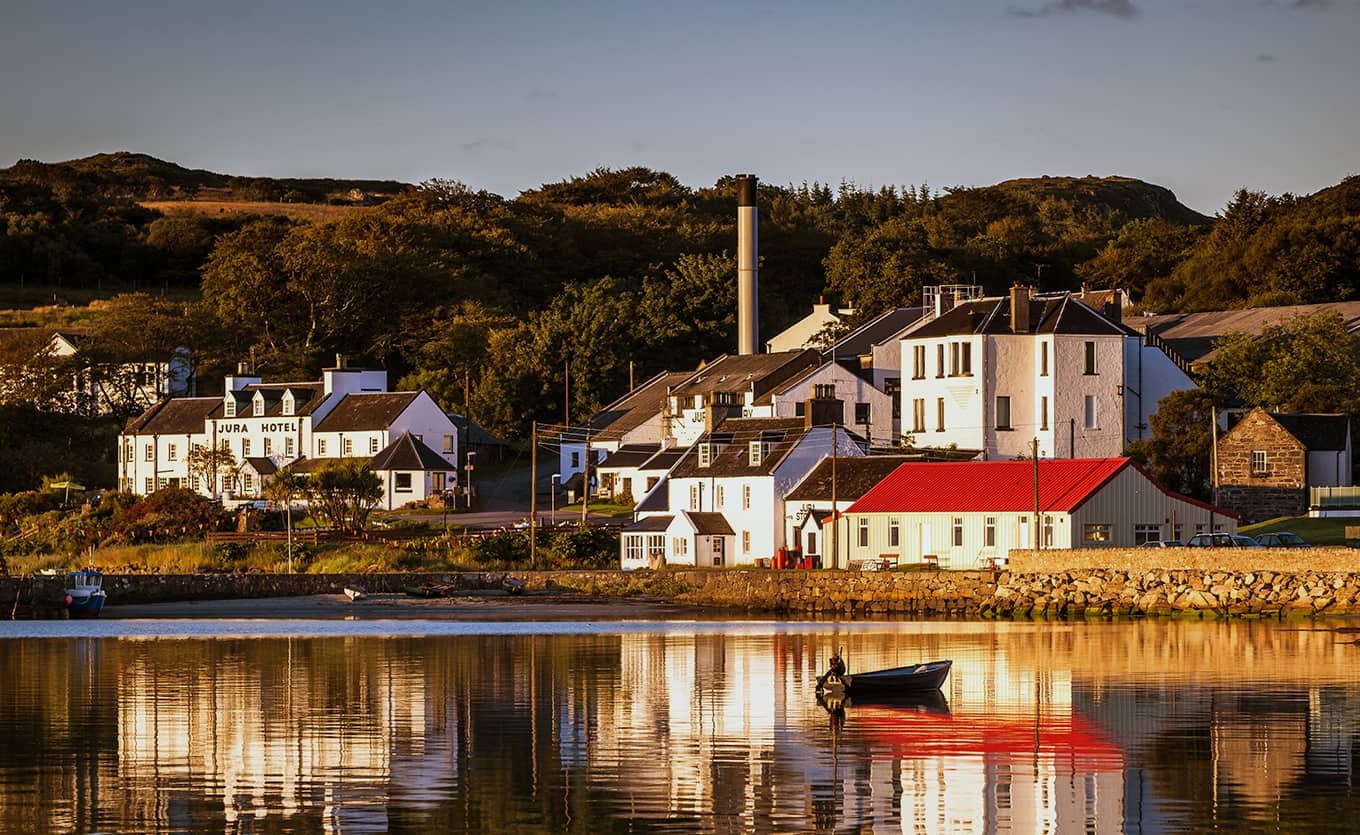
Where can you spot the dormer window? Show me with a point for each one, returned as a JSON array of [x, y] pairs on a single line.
[[229, 407], [258, 404], [705, 454], [287, 405], [757, 453]]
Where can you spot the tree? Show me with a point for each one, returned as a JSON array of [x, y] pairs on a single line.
[[1179, 453], [206, 463], [1270, 369], [344, 492], [887, 267]]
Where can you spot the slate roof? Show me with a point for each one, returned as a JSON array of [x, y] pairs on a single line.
[[175, 416], [261, 465], [652, 524], [709, 523], [664, 460], [306, 398], [1192, 335], [997, 486], [658, 499], [1318, 433], [366, 410], [629, 455], [735, 435], [311, 465], [1048, 314], [854, 477], [473, 434], [875, 332], [637, 406], [756, 373], [410, 453]]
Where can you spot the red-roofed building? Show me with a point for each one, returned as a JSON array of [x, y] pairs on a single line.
[[971, 514]]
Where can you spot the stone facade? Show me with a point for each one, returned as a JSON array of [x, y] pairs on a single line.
[[1262, 470]]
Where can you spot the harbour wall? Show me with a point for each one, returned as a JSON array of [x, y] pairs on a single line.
[[1306, 587]]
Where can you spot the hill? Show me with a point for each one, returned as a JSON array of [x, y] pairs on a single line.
[[1105, 197]]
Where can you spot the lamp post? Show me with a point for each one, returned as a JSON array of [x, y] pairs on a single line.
[[471, 456], [552, 496]]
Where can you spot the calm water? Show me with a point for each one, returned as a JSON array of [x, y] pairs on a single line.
[[427, 726]]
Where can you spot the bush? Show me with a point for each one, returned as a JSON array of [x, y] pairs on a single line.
[[581, 548], [168, 515]]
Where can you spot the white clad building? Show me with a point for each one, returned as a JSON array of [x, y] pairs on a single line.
[[723, 501], [994, 374], [262, 427]]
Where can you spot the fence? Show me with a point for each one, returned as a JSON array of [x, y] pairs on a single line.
[[1334, 498]]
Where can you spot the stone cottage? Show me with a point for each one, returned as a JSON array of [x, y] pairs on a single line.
[[1267, 462]]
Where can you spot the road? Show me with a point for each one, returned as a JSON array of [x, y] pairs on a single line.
[[502, 500]]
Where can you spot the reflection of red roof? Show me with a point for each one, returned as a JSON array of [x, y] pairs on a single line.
[[1074, 745]]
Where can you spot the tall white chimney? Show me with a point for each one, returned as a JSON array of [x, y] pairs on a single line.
[[748, 253]]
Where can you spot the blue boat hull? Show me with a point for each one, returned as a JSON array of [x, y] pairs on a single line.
[[86, 607]]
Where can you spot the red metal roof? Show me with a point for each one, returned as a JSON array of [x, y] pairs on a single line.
[[966, 486]]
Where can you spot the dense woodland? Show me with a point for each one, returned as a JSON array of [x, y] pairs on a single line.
[[605, 274]]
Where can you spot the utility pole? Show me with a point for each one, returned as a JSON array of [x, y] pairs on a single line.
[[1034, 447], [533, 494], [835, 511], [1213, 464], [566, 395], [585, 481]]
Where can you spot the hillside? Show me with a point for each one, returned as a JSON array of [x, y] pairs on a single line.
[[1105, 197]]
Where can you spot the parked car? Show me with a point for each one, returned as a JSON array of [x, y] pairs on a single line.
[[1282, 539], [1221, 540], [1163, 543]]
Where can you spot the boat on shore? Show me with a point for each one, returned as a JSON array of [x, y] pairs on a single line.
[[355, 592], [914, 678], [85, 593]]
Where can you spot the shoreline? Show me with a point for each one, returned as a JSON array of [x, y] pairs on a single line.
[[390, 606]]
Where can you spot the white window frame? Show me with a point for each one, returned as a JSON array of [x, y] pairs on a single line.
[[1003, 412], [1260, 462], [1090, 415]]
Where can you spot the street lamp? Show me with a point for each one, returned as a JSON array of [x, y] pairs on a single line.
[[552, 494], [471, 456]]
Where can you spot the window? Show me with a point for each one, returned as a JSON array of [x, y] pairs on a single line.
[[1097, 533], [229, 407], [149, 485], [861, 413], [757, 450], [347, 447], [656, 544], [939, 360], [372, 446], [287, 408], [268, 446], [961, 356], [575, 460], [1048, 532], [823, 391], [939, 414], [746, 542], [989, 531], [1043, 359], [151, 452], [694, 497], [863, 532], [1143, 534], [1003, 412], [1089, 411], [718, 495], [288, 447], [402, 482], [958, 531], [245, 447], [1260, 462], [259, 406], [320, 447], [1090, 358], [1043, 413], [680, 546], [954, 359], [448, 444], [632, 547], [171, 453], [651, 482], [705, 455], [918, 362], [193, 482], [918, 415], [894, 532], [746, 497], [799, 409], [892, 386]]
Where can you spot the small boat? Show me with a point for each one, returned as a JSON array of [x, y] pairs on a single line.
[[430, 590], [512, 585], [85, 593], [915, 678], [355, 592]]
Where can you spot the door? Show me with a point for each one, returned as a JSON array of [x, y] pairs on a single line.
[[1024, 532], [718, 550]]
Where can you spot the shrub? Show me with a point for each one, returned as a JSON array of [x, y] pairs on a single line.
[[581, 548]]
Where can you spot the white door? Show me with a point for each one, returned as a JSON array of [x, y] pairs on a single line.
[[1024, 532]]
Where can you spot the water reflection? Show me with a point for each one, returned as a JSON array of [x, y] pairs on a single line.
[[1040, 727]]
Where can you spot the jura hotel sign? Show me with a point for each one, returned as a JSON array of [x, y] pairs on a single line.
[[277, 426]]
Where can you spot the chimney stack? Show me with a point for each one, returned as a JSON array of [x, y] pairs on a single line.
[[748, 311], [1020, 296]]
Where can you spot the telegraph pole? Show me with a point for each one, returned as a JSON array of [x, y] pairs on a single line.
[[1034, 446], [835, 511], [533, 494], [585, 480]]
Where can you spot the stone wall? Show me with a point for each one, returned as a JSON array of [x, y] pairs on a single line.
[[1056, 593], [1287, 560], [1281, 490]]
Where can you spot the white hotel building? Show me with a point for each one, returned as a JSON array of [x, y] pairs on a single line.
[[266, 426]]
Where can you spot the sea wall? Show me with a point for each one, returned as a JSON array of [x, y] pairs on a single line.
[[1337, 560], [1064, 593]]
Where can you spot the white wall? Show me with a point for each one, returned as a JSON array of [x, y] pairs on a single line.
[[1072, 438], [1149, 376], [423, 417], [850, 389], [963, 396]]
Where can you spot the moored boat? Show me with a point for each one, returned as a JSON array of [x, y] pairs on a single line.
[[914, 678], [85, 593], [355, 592]]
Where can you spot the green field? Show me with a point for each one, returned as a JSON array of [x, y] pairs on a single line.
[[1316, 531]]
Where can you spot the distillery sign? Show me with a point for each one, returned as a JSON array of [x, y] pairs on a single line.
[[277, 426]]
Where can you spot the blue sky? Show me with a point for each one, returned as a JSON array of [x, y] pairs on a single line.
[[1200, 96]]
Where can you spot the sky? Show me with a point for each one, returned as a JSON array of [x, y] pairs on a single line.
[[1201, 96]]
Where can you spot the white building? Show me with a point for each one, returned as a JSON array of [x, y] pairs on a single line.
[[833, 485], [866, 410], [637, 418], [972, 514], [993, 374], [262, 427], [804, 332], [723, 501], [733, 385], [99, 388]]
